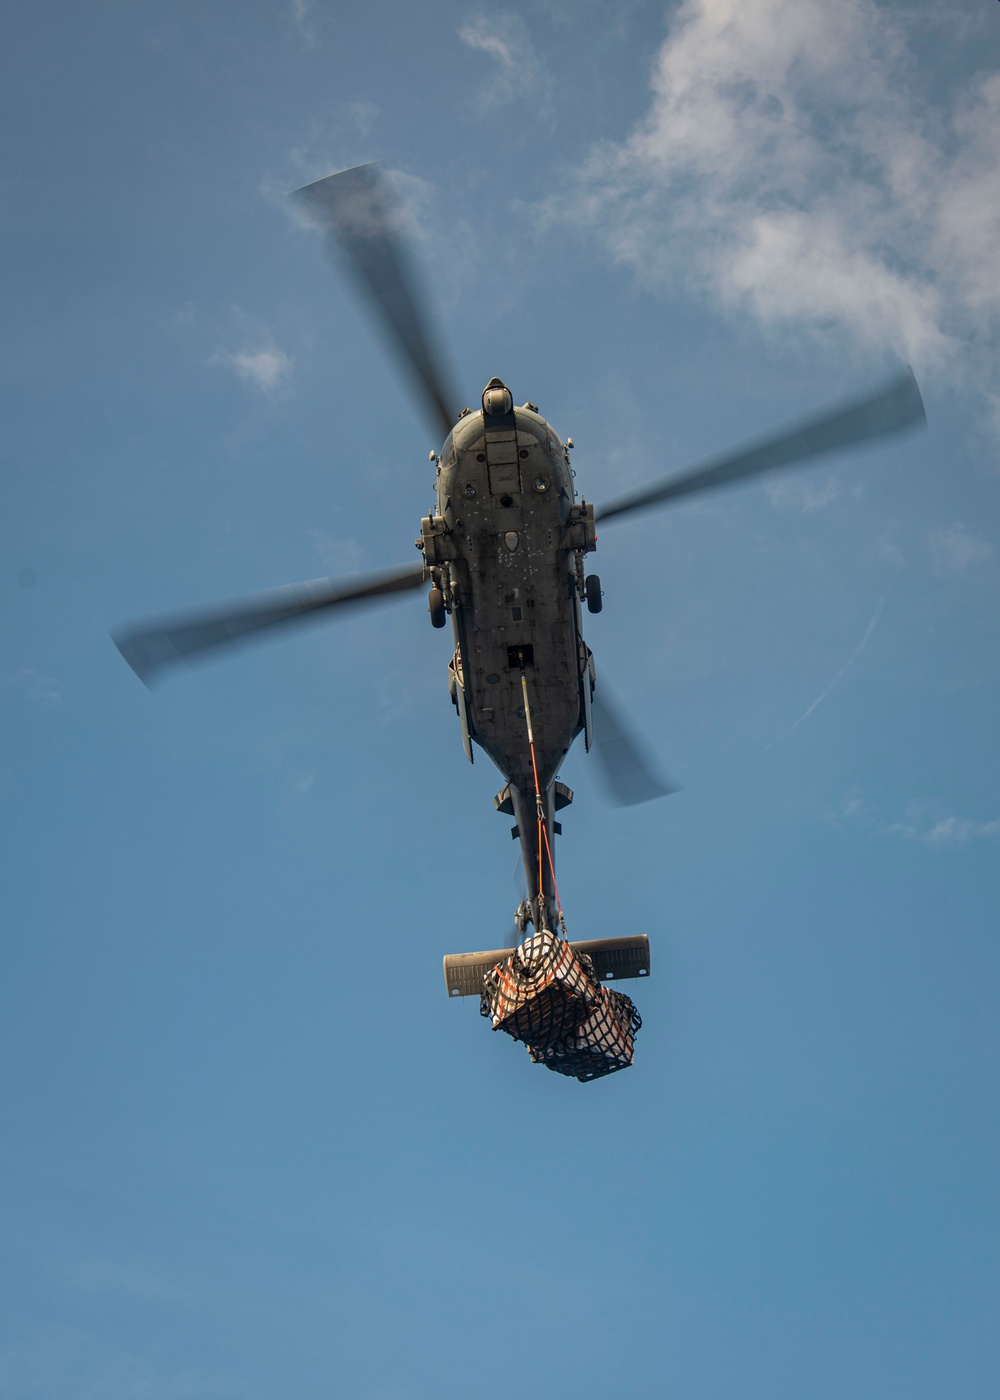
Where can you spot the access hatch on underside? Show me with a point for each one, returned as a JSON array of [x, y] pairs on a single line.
[[502, 463]]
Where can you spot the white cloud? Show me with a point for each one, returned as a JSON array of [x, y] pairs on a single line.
[[267, 369], [954, 549], [920, 824], [518, 71], [791, 166]]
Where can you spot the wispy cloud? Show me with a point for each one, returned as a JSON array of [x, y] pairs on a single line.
[[300, 13], [956, 549], [922, 823], [926, 822], [792, 166], [518, 72], [848, 809], [804, 494], [362, 115], [339, 554], [266, 368], [43, 690], [889, 551]]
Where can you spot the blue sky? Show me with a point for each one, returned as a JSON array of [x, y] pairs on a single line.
[[250, 1149]]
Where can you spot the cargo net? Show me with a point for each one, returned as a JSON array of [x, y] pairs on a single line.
[[601, 1044], [541, 992], [547, 995]]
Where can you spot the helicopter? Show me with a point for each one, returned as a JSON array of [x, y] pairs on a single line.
[[503, 556]]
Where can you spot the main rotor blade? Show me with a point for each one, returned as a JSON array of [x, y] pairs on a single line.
[[148, 649], [629, 775], [891, 410], [356, 212]]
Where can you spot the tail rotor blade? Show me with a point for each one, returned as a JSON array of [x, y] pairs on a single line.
[[629, 774], [356, 212], [894, 408], [149, 649]]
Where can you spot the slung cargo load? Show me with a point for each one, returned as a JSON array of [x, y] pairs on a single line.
[[601, 1044], [541, 992]]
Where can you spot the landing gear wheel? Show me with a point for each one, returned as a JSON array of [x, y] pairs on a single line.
[[435, 606], [595, 598]]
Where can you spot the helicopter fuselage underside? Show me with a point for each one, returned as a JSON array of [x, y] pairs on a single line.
[[506, 548]]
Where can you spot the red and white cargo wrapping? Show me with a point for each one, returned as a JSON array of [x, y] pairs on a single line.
[[600, 1044], [541, 992]]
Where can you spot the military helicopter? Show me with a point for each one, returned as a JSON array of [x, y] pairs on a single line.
[[504, 557]]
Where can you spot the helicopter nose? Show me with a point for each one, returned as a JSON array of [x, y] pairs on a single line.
[[497, 401]]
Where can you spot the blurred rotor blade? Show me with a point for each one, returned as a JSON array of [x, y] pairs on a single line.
[[148, 649], [355, 210], [629, 774], [895, 407]]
